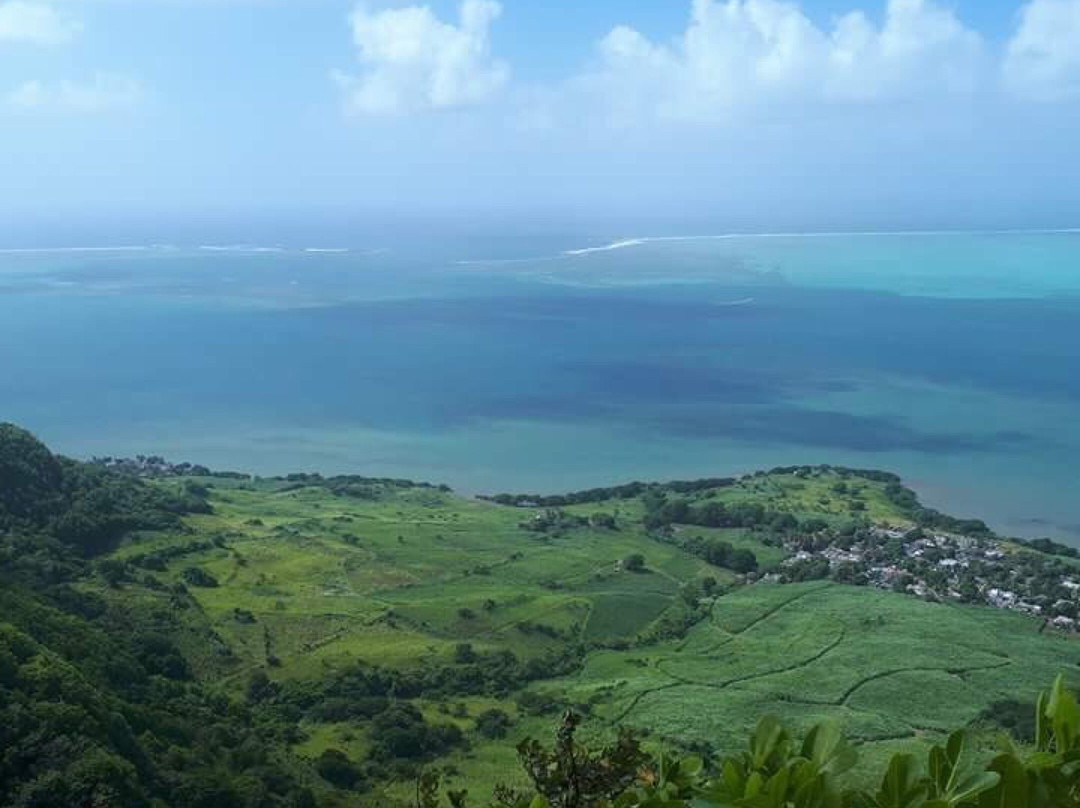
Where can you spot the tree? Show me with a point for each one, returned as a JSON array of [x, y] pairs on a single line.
[[493, 723], [335, 767], [742, 560], [572, 776], [114, 572], [635, 562], [260, 687]]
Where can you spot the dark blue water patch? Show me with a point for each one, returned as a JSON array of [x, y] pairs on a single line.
[[525, 406], [1029, 347], [799, 426], [664, 361], [1038, 525], [657, 381]]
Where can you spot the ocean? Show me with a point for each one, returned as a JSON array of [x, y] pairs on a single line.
[[545, 364]]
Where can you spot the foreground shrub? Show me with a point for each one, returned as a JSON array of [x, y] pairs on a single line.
[[776, 771]]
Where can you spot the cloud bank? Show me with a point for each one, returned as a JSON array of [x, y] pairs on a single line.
[[104, 92], [1043, 58], [743, 55], [735, 60], [35, 23], [414, 61]]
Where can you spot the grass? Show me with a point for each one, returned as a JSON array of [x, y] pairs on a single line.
[[401, 580]]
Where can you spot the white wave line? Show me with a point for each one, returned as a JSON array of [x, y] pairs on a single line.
[[746, 301], [644, 240], [128, 248], [243, 248], [615, 245]]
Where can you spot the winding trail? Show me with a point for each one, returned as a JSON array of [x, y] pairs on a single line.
[[637, 699], [761, 618], [679, 681], [750, 677], [958, 672], [844, 699]]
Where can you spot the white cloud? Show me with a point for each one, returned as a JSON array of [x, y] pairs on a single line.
[[1043, 58], [35, 23], [739, 56], [413, 61], [105, 92]]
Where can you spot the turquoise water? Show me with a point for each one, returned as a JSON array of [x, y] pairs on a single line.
[[496, 364]]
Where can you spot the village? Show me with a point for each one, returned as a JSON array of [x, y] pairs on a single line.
[[938, 566]]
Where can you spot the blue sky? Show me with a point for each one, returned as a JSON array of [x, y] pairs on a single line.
[[750, 111]]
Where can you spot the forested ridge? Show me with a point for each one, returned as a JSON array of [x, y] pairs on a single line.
[[97, 704], [101, 703]]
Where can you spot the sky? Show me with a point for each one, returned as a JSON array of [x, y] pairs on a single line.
[[746, 113]]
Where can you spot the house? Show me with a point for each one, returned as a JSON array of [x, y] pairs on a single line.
[[1001, 598]]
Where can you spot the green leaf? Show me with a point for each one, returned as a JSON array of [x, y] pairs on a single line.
[[1042, 725], [827, 749], [1012, 788], [945, 764], [768, 741], [691, 766], [903, 786], [754, 784], [938, 766], [1064, 716], [971, 787]]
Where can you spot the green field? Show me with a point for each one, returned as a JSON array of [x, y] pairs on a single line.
[[310, 582]]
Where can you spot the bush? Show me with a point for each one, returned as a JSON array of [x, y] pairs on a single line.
[[197, 576]]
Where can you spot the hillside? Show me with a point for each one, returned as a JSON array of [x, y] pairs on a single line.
[[345, 631]]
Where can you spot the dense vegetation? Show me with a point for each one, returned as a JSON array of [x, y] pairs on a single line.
[[97, 704], [171, 637]]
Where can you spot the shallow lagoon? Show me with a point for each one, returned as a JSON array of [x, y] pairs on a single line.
[[952, 359]]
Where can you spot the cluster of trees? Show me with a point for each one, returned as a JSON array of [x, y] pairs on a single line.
[[554, 521], [906, 499], [873, 475], [662, 510], [722, 554], [627, 491], [471, 673], [777, 770], [399, 738], [1051, 547], [351, 484], [156, 466]]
